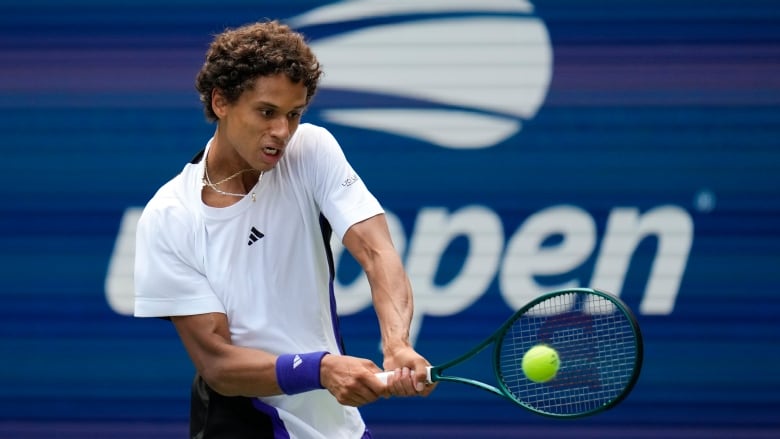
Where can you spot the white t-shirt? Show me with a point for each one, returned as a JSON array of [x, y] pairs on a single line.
[[262, 263]]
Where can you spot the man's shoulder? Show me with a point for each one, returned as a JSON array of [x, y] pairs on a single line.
[[309, 133], [310, 129], [172, 201], [310, 138]]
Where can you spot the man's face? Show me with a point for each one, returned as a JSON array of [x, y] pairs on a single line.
[[263, 119]]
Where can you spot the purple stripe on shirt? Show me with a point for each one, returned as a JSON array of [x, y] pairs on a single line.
[[327, 231]]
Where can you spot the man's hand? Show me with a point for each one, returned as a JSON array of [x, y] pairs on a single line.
[[410, 372], [352, 380]]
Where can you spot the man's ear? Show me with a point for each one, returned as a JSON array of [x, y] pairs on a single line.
[[218, 103]]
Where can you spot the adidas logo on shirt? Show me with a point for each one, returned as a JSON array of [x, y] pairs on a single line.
[[254, 235]]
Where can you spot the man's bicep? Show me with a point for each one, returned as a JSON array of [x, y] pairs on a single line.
[[367, 238], [205, 336]]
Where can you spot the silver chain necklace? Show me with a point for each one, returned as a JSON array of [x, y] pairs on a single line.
[[207, 181]]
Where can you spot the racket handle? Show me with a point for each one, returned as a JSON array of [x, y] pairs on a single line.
[[384, 376]]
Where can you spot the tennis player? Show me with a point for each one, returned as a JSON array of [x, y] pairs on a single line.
[[235, 252]]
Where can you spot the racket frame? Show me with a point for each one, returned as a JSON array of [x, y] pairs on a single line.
[[436, 373]]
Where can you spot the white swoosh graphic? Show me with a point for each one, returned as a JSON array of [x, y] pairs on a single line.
[[499, 66], [447, 128], [361, 9], [496, 64]]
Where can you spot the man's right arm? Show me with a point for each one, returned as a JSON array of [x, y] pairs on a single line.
[[238, 371], [228, 369]]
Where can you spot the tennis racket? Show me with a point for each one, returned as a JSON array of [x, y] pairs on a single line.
[[597, 339]]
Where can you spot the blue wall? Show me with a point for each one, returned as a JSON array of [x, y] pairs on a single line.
[[648, 106]]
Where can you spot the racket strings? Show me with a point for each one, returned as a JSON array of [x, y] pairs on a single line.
[[597, 346]]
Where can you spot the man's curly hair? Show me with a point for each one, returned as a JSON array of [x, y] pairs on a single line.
[[238, 56]]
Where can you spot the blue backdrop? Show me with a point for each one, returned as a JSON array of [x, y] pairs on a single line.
[[626, 145]]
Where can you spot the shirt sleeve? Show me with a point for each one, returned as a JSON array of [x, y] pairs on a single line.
[[342, 195], [169, 280]]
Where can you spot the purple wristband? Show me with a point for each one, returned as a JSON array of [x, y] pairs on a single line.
[[298, 373]]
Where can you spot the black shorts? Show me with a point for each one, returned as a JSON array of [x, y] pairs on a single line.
[[214, 416]]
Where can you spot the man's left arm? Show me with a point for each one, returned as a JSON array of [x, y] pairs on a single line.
[[370, 244]]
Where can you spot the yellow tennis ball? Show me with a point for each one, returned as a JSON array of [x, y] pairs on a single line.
[[541, 363]]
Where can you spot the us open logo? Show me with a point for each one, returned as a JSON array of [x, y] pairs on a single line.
[[461, 74]]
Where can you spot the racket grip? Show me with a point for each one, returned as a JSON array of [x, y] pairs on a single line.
[[384, 376]]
